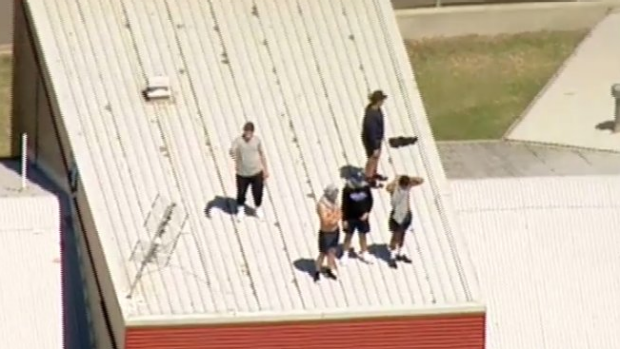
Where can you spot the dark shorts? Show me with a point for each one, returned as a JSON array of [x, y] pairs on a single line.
[[395, 226], [353, 225], [328, 240], [370, 148]]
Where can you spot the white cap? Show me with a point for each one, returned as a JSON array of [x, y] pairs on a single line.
[[330, 189], [330, 193]]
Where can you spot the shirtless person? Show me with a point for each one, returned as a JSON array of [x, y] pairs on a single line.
[[401, 216], [329, 233]]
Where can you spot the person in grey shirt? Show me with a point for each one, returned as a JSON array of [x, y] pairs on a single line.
[[250, 169], [400, 218]]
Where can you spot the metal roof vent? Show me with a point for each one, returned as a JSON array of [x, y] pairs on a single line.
[[158, 87]]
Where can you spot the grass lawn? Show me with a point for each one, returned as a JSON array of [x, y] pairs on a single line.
[[474, 87], [5, 104]]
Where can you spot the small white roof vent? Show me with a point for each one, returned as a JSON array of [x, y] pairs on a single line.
[[158, 87]]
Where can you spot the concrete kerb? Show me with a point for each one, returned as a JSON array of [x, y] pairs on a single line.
[[534, 143], [552, 145], [468, 141], [500, 19]]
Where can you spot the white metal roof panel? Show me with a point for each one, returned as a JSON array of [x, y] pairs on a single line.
[[546, 251], [31, 290], [11, 181], [301, 71], [17, 203], [16, 212]]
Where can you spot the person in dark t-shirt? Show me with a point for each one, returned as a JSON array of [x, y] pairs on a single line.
[[357, 203], [373, 133]]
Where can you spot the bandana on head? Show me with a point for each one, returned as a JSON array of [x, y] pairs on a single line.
[[330, 194]]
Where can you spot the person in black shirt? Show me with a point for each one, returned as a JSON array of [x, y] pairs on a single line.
[[373, 133], [356, 206]]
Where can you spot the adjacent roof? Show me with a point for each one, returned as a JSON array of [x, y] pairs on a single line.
[[301, 71], [17, 204], [546, 250], [491, 159], [31, 291]]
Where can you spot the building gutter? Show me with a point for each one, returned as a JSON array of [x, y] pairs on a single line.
[[304, 316]]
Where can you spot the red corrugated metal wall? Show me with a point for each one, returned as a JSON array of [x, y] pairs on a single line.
[[441, 332]]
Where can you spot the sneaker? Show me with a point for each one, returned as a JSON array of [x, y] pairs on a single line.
[[403, 258], [317, 276], [240, 213], [330, 274], [258, 213], [392, 263]]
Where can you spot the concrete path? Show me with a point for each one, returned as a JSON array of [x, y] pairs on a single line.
[[576, 108]]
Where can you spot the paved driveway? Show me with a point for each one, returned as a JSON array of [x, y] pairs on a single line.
[[6, 22]]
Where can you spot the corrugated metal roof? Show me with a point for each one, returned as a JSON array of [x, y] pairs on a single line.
[[10, 182], [488, 159], [31, 291], [546, 250], [36, 210], [17, 204], [301, 71], [16, 213]]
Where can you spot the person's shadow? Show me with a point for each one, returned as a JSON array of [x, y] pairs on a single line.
[[606, 125], [305, 265], [380, 251], [225, 204]]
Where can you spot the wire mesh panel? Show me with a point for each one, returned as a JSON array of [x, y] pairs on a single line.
[[163, 226]]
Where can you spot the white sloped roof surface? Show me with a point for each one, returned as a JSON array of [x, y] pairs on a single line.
[[301, 70], [17, 204], [31, 287], [546, 251]]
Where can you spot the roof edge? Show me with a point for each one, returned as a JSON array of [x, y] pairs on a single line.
[[573, 177], [322, 315]]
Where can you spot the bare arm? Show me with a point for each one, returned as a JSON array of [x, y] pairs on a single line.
[[263, 158], [233, 150], [417, 181], [392, 185], [234, 154], [320, 210]]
